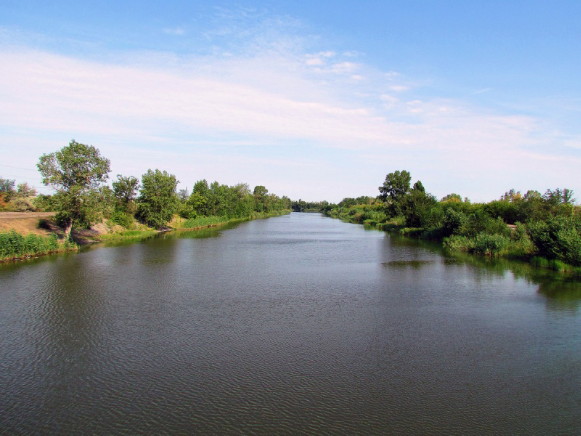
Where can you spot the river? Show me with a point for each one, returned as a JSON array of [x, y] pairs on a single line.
[[297, 324]]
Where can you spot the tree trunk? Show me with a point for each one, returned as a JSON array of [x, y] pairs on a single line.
[[68, 228]]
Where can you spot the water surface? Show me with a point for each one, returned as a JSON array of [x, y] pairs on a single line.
[[296, 324]]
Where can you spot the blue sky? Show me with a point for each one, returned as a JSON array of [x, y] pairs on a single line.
[[315, 100]]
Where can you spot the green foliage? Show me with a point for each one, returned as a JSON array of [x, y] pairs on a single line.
[[25, 191], [516, 225], [417, 207], [395, 187], [76, 172], [308, 206], [122, 218], [482, 243], [231, 201], [125, 191], [453, 222], [158, 200], [15, 245], [557, 238], [204, 221], [455, 198]]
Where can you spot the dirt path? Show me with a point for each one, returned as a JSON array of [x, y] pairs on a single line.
[[24, 222]]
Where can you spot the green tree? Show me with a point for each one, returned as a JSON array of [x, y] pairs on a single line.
[[260, 198], [158, 200], [24, 191], [395, 187], [76, 172], [125, 191], [6, 191], [454, 198]]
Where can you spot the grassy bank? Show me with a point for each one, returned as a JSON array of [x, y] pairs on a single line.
[[14, 246], [203, 222]]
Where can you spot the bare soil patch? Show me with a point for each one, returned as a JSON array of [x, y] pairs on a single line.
[[26, 222]]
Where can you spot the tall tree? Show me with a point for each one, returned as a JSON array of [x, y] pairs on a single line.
[[394, 189], [158, 200], [76, 172], [125, 190]]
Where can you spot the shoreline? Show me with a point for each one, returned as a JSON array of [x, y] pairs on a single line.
[[87, 237]]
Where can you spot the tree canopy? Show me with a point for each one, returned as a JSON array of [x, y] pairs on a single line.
[[158, 200], [76, 172]]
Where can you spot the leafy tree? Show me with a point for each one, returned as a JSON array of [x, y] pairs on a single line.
[[125, 191], [6, 186], [23, 190], [455, 198], [260, 198], [395, 187], [6, 191], [76, 172], [559, 196], [158, 200], [125, 188], [418, 187]]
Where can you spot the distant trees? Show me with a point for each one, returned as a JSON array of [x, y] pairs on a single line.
[[76, 172], [6, 191]]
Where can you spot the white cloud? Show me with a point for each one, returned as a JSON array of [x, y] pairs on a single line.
[[292, 118], [177, 31]]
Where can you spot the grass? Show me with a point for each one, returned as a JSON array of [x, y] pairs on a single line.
[[14, 246]]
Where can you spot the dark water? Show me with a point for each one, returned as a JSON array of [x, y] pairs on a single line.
[[297, 324]]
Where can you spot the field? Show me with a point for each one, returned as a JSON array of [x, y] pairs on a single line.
[[24, 223]]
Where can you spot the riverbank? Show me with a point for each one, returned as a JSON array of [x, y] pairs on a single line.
[[510, 243], [32, 234]]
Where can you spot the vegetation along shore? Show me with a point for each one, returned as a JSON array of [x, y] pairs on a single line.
[[544, 229], [84, 209]]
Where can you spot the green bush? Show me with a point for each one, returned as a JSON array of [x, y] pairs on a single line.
[[123, 219], [482, 243], [13, 244], [490, 245], [453, 222], [557, 238]]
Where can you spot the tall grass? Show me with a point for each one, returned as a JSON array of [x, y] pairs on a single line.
[[204, 221], [13, 245]]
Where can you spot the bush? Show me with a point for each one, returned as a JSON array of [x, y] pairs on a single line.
[[459, 243], [453, 222], [490, 245], [557, 238], [123, 219], [13, 244], [482, 243]]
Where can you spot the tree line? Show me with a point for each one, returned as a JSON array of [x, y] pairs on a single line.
[[78, 173], [530, 225]]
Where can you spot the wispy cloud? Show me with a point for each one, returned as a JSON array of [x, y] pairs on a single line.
[[177, 31], [278, 111]]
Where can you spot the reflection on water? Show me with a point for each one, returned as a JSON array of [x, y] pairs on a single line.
[[296, 324]]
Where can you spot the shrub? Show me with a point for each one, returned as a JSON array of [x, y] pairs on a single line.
[[482, 243], [557, 238], [453, 221], [123, 219], [13, 244], [490, 245]]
